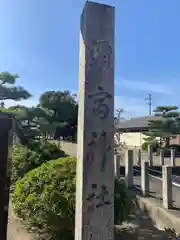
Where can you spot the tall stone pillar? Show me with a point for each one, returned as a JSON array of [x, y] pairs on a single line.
[[95, 158], [173, 157], [139, 157], [162, 157], [167, 186], [150, 155], [144, 178], [5, 171], [129, 173], [117, 159]]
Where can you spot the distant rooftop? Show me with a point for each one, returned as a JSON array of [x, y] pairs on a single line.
[[136, 123]]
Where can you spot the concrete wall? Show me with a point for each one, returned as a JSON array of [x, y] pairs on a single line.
[[175, 140]]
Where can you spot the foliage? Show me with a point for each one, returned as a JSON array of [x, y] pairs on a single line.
[[165, 127], [55, 116], [26, 158], [47, 150], [51, 100], [64, 108], [11, 92], [155, 146], [45, 199], [144, 146], [122, 202]]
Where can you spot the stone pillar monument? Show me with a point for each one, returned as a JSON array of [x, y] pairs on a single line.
[[5, 171], [95, 158]]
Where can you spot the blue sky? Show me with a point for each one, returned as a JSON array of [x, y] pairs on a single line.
[[40, 41]]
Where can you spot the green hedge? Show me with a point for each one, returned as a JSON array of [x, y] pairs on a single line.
[[26, 158], [45, 199]]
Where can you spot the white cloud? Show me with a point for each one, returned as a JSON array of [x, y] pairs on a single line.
[[147, 86]]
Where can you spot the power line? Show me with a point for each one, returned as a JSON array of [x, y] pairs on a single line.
[[149, 99]]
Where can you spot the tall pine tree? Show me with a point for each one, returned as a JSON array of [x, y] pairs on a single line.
[[165, 127]]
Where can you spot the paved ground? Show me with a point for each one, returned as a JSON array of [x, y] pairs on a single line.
[[69, 148], [15, 229]]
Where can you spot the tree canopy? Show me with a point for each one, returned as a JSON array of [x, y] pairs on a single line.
[[165, 127], [64, 110], [8, 90], [55, 116]]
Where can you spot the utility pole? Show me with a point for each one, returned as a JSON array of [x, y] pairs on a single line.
[[149, 99]]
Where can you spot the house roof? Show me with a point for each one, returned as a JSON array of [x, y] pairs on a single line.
[[136, 123]]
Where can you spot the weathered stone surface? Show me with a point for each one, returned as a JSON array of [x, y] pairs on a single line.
[[95, 158], [144, 178], [167, 186], [173, 157], [162, 157], [129, 174], [139, 157], [150, 155]]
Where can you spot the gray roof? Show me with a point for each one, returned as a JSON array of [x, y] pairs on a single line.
[[134, 123]]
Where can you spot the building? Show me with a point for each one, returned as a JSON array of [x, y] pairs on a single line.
[[130, 132]]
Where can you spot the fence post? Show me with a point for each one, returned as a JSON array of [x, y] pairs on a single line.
[[150, 154], [162, 157], [129, 168], [117, 159], [139, 157], [173, 156], [5, 171], [167, 186], [144, 178]]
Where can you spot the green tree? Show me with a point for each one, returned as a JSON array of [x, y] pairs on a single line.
[[62, 103], [64, 111], [24, 129], [165, 127], [8, 90]]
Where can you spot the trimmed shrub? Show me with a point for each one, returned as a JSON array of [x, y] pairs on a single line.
[[123, 204], [25, 158], [45, 199], [47, 150]]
